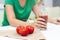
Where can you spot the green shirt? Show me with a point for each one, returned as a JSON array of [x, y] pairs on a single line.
[[21, 13]]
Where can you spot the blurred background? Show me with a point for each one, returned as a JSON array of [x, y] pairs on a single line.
[[52, 7], [1, 11]]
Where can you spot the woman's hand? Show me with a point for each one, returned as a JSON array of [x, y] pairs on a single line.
[[39, 23]]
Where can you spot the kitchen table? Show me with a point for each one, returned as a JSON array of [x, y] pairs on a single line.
[[10, 32], [52, 32]]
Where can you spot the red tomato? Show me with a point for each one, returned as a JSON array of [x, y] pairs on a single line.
[[22, 31], [17, 29], [31, 29]]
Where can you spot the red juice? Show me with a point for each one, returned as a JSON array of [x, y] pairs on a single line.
[[46, 19]]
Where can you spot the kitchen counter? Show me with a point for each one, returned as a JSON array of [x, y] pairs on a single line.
[[52, 32], [10, 32]]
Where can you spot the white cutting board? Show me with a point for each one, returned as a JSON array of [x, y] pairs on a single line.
[[11, 33], [6, 38]]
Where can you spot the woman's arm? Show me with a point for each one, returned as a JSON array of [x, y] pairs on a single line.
[[11, 17], [36, 11], [39, 21], [54, 20]]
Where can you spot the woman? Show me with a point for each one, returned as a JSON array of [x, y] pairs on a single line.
[[16, 13]]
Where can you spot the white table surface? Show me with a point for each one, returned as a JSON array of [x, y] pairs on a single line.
[[6, 38], [52, 32]]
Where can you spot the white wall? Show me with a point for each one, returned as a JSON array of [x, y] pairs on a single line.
[[53, 11], [48, 3], [1, 16], [1, 1], [1, 4]]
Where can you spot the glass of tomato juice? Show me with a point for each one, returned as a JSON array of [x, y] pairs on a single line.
[[44, 16]]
